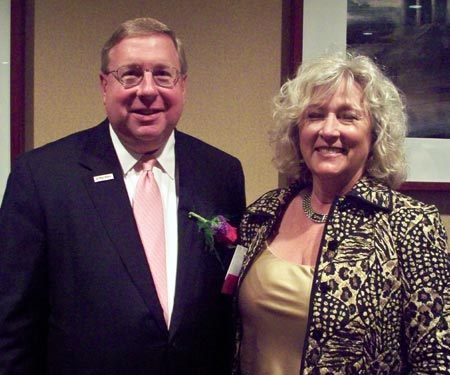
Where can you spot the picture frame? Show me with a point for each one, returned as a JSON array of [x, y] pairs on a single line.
[[5, 96], [428, 158], [17, 90]]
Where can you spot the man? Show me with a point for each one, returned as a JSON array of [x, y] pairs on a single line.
[[78, 295]]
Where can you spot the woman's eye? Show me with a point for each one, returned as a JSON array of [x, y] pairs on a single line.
[[315, 116], [349, 116]]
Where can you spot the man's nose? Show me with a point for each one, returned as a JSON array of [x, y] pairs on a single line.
[[147, 85]]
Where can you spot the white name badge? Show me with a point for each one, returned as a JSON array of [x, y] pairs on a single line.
[[104, 177]]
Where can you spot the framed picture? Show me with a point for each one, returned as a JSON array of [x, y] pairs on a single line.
[[410, 39]]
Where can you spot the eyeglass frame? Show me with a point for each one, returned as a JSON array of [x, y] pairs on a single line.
[[116, 76]]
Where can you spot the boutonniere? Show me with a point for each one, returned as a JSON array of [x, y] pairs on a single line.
[[216, 230], [219, 230]]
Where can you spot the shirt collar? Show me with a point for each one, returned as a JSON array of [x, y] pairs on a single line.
[[128, 159]]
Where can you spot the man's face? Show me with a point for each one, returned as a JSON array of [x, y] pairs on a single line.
[[143, 116]]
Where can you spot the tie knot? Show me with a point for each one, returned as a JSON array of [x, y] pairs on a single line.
[[147, 162]]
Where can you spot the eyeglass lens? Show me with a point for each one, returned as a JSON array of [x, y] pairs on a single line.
[[132, 75]]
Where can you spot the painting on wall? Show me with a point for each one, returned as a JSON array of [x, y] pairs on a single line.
[[410, 40]]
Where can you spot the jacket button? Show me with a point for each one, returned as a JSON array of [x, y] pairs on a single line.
[[317, 334], [333, 245], [324, 287]]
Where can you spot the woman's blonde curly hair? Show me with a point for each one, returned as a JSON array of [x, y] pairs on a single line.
[[381, 99]]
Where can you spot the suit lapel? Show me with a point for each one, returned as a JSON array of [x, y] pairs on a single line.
[[190, 243], [105, 185]]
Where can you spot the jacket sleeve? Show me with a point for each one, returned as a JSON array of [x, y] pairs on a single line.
[[426, 268], [23, 298]]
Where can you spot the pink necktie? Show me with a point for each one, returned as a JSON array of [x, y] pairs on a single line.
[[149, 215]]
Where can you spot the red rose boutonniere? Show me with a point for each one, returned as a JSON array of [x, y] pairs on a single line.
[[218, 229]]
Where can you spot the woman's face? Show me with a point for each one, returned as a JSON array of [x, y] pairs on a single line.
[[335, 137]]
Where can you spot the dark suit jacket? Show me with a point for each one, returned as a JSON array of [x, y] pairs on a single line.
[[77, 295]]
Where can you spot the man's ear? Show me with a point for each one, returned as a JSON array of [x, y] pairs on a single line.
[[103, 84], [184, 86]]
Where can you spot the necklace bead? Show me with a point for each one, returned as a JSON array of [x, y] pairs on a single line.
[[310, 213]]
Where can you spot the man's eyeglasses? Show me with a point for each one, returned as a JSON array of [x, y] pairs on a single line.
[[132, 75]]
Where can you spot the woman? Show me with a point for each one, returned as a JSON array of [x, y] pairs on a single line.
[[343, 274]]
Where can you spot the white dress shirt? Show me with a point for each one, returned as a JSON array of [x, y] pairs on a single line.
[[164, 172]]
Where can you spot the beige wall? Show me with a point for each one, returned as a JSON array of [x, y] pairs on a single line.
[[233, 50], [234, 56]]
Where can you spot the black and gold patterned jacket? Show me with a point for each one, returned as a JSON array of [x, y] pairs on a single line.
[[380, 301]]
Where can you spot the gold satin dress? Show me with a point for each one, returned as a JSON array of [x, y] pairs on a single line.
[[274, 306]]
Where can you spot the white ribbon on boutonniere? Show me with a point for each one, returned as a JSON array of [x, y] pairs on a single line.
[[231, 278]]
